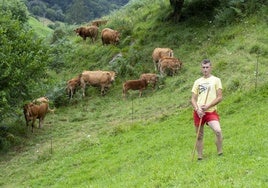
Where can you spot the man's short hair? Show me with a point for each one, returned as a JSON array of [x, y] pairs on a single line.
[[206, 61]]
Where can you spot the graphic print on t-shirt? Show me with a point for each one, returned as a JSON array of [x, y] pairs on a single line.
[[202, 88]]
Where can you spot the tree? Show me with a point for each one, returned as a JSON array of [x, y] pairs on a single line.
[[23, 62], [177, 9]]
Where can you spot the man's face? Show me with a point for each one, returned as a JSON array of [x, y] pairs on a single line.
[[206, 69]]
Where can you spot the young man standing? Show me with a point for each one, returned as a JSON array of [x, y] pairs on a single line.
[[206, 94]]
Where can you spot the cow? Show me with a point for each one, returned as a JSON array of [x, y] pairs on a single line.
[[140, 85], [43, 99], [39, 100], [109, 36], [89, 31], [169, 63], [35, 111], [151, 78], [104, 79], [159, 53], [72, 86], [98, 23]]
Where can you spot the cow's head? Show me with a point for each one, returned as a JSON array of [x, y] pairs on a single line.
[[116, 37], [77, 31], [113, 75], [27, 112]]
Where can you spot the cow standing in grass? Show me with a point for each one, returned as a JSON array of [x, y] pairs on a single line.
[[159, 53], [89, 31], [140, 85], [151, 78], [34, 111], [169, 64], [72, 86], [109, 36], [104, 79]]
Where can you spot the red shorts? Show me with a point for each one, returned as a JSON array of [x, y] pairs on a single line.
[[209, 116]]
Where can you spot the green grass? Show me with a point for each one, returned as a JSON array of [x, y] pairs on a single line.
[[100, 151], [40, 28], [147, 142]]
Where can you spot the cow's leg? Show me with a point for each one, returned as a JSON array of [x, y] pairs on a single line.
[[156, 66], [102, 90], [140, 92], [153, 85], [83, 89], [40, 122], [123, 93], [71, 93], [33, 121]]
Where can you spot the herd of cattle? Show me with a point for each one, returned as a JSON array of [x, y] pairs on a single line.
[[163, 59], [108, 35]]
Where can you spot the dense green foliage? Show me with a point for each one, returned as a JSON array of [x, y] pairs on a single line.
[[70, 11], [146, 142], [24, 60]]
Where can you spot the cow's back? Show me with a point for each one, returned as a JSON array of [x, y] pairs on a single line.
[[109, 36], [96, 77], [161, 52]]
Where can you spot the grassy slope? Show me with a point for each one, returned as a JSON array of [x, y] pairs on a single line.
[[148, 142], [40, 28]]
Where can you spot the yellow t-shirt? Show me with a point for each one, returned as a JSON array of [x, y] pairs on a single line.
[[200, 88]]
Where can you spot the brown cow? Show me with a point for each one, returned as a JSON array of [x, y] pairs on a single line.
[[159, 53], [109, 36], [72, 86], [98, 23], [140, 85], [35, 111], [43, 100], [170, 63], [151, 78], [104, 79], [89, 31]]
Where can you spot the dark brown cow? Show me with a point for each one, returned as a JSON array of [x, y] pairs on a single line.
[[140, 85], [109, 36], [98, 23], [35, 111], [104, 79], [89, 31], [169, 63], [159, 53], [72, 86], [151, 78]]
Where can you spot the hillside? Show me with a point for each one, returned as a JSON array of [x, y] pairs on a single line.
[[147, 142]]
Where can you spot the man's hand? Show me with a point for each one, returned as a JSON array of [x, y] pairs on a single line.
[[204, 107], [200, 113]]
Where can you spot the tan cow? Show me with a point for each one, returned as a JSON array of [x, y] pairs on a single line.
[[159, 53], [98, 23], [72, 86], [43, 100], [169, 63], [140, 85], [110, 36], [89, 31], [35, 111], [104, 79], [151, 78]]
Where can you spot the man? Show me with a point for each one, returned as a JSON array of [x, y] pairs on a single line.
[[206, 94]]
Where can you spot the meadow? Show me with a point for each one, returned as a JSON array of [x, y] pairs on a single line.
[[105, 141]]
